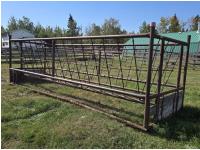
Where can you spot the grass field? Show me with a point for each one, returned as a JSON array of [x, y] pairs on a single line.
[[30, 120]]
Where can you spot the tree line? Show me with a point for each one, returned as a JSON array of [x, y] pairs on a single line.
[[173, 24], [109, 27], [40, 31]]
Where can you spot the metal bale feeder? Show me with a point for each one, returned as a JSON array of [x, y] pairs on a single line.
[[153, 74]]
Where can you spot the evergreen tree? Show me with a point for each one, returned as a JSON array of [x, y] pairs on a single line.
[[25, 23], [42, 33], [49, 31], [58, 31], [174, 25], [3, 30], [37, 30], [144, 28], [73, 30], [12, 24]]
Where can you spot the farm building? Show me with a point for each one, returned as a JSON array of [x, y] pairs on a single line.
[[194, 57], [194, 46], [17, 34]]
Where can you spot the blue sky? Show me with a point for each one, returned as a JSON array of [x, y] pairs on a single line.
[[130, 14]]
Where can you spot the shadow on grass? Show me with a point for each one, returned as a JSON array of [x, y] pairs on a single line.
[[39, 83], [5, 119], [182, 126]]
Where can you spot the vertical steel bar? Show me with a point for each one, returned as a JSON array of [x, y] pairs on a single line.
[[67, 60], [95, 60], [99, 66], [53, 58], [179, 77], [105, 56], [10, 58], [45, 58], [60, 62], [136, 67], [21, 55], [120, 62], [85, 59], [33, 58], [10, 52], [185, 67], [38, 54], [148, 80], [78, 70], [159, 77]]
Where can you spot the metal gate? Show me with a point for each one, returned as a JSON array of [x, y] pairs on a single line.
[[148, 69]]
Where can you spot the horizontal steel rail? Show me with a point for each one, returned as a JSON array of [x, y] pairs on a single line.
[[115, 45], [171, 39], [141, 96], [85, 37]]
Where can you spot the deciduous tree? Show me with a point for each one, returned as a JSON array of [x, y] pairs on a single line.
[[163, 25], [111, 26], [93, 30], [195, 22]]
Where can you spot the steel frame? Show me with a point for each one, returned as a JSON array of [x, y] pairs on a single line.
[[111, 61]]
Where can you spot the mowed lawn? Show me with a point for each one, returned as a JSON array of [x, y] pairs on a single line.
[[30, 120]]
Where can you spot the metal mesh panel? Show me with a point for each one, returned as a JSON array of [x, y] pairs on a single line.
[[134, 71]]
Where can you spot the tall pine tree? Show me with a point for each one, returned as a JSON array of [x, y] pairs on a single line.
[[72, 30], [174, 25]]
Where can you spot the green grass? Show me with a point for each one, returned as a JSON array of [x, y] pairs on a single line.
[[30, 120]]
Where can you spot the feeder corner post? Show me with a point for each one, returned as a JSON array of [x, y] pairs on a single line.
[[148, 80], [186, 66], [159, 81], [179, 78]]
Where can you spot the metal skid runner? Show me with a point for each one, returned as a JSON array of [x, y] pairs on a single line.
[[148, 69]]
